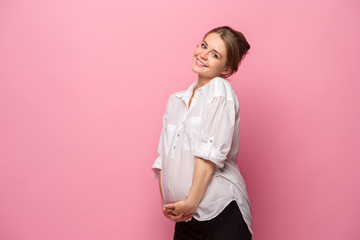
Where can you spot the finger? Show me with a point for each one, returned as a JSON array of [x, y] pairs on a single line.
[[187, 216], [176, 213], [175, 218], [165, 210], [170, 206], [169, 216], [181, 213], [178, 218]]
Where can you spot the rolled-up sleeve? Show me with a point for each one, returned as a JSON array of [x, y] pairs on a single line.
[[217, 131], [161, 148]]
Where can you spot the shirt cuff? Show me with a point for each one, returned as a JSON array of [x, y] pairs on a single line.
[[207, 151], [156, 167]]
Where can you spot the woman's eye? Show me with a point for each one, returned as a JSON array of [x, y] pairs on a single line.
[[203, 46], [216, 56]]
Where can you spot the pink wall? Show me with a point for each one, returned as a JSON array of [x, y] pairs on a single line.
[[83, 86]]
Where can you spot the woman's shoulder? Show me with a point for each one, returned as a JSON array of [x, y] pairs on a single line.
[[221, 87]]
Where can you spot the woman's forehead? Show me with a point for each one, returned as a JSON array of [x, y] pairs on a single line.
[[214, 41]]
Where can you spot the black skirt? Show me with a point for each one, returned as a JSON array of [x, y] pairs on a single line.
[[228, 225]]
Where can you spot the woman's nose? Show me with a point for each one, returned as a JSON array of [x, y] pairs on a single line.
[[204, 54]]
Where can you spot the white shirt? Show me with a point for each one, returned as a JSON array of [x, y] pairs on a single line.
[[208, 129]]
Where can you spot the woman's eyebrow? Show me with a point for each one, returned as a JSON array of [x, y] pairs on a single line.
[[213, 50]]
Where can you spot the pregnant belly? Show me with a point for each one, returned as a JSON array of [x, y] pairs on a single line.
[[176, 183]]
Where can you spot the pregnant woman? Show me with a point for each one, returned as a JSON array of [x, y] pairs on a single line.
[[201, 187]]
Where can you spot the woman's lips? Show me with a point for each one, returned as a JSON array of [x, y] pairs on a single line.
[[199, 63]]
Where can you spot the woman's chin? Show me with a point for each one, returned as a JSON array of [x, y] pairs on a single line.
[[194, 69], [198, 71]]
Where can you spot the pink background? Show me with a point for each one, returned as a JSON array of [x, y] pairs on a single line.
[[84, 84]]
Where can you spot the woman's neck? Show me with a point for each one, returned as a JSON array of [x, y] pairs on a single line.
[[202, 81]]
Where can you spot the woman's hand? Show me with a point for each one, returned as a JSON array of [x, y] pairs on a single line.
[[181, 208], [171, 214]]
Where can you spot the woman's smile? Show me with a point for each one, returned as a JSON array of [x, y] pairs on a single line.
[[199, 63]]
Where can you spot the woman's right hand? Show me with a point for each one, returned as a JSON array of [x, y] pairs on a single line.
[[175, 218]]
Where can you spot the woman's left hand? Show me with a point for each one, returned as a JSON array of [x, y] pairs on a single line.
[[183, 208]]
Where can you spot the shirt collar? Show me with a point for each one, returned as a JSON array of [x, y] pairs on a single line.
[[186, 95]]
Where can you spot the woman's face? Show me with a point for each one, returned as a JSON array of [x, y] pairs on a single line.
[[210, 57]]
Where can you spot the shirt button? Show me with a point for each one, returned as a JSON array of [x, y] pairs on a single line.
[[174, 147], [211, 141], [178, 135], [182, 122]]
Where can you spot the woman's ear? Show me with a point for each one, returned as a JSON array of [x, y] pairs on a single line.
[[226, 70]]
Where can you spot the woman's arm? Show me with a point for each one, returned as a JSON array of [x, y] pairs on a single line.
[[162, 197], [203, 172]]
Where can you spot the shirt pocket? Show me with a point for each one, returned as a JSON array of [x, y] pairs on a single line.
[[192, 133], [169, 135]]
